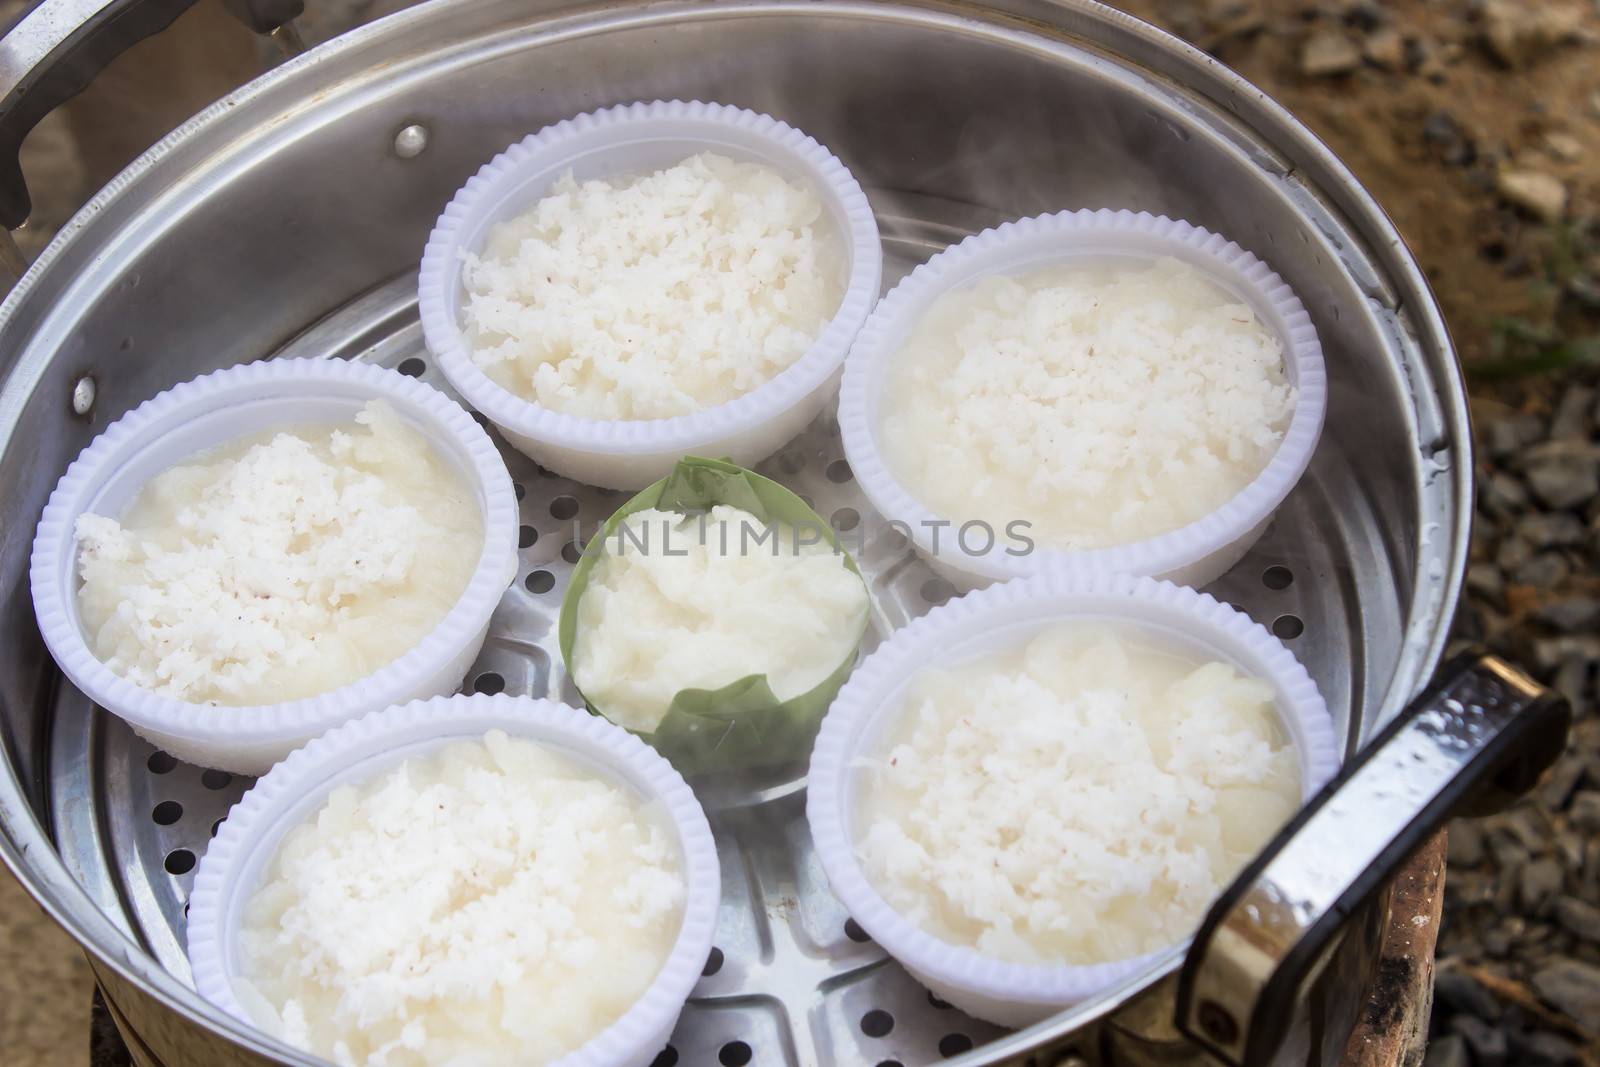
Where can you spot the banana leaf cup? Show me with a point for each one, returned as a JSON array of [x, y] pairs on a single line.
[[743, 725]]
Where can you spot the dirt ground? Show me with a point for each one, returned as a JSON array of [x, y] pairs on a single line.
[[1476, 123], [1438, 107]]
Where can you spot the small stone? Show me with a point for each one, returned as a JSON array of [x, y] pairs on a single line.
[[1386, 48], [1512, 553], [1441, 128], [1528, 824], [1541, 195], [1431, 66], [1585, 811], [1563, 474], [1514, 928], [1487, 1042], [1538, 451], [1572, 681], [1573, 614], [1365, 15], [1570, 849], [1571, 986], [1545, 570], [1463, 992], [1448, 1051], [1504, 902], [1470, 888], [1563, 146], [1562, 781], [1503, 494], [1233, 18], [1551, 529], [1509, 435], [1496, 627], [1544, 1049], [1498, 940], [1485, 580], [1578, 917], [1466, 844], [1519, 34], [1586, 291], [1328, 52], [1538, 884], [1510, 855], [1571, 418], [1549, 653]]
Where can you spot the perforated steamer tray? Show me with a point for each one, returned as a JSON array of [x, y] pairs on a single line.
[[791, 981]]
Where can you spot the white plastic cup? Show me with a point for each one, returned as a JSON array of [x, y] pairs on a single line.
[[1193, 555], [1002, 617], [225, 406], [288, 795], [635, 138]]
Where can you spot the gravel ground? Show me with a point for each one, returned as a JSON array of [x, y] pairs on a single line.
[[1519, 950]]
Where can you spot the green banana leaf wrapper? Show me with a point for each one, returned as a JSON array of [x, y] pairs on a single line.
[[743, 725]]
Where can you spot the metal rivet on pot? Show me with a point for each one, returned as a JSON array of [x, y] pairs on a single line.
[[410, 142], [1217, 1023], [83, 392]]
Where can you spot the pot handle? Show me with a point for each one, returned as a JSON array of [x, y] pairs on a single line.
[[59, 46], [1480, 736]]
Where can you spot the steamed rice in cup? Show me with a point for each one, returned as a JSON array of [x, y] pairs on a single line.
[[651, 280], [267, 551], [1105, 389], [1034, 792], [496, 879]]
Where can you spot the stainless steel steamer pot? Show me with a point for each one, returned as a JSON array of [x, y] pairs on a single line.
[[289, 218]]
